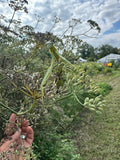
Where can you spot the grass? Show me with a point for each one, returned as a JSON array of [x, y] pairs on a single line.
[[99, 137]]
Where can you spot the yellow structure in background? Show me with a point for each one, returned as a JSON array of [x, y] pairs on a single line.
[[109, 64]]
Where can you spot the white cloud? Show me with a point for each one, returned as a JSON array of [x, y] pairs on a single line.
[[104, 12], [111, 39]]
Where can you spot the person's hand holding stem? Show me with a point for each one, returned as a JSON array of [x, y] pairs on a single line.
[[19, 134]]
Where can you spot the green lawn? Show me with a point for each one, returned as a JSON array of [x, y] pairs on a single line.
[[98, 138]]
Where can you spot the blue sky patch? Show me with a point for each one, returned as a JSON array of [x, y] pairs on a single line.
[[116, 26]]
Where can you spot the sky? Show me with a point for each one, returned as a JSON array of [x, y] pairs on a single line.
[[106, 13]]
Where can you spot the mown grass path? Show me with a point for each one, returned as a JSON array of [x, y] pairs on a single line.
[[98, 138]]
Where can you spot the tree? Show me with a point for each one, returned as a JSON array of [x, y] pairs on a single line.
[[105, 50], [87, 51]]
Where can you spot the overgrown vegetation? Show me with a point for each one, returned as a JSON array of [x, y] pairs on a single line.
[[47, 87]]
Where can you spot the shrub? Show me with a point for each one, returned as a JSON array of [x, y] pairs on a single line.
[[104, 88], [54, 147], [107, 70], [116, 65]]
